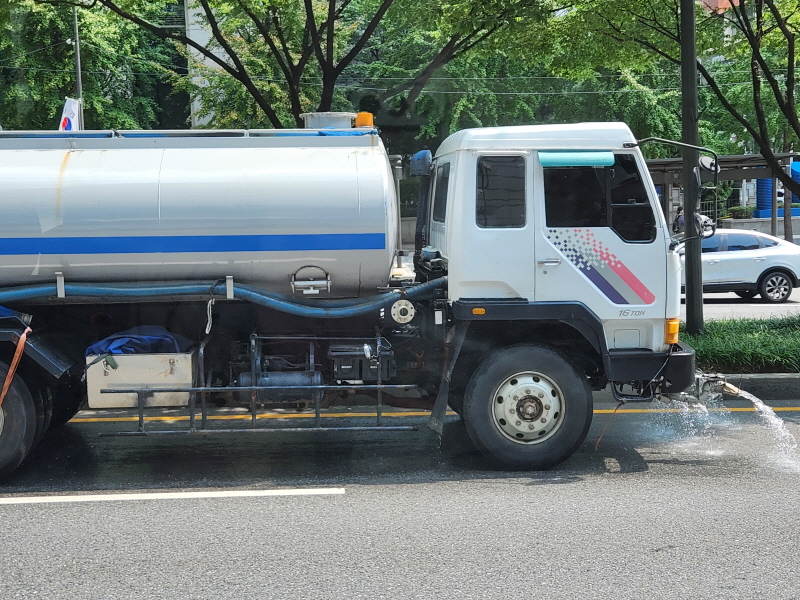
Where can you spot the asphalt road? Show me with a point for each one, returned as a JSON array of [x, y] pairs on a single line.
[[666, 505], [730, 306]]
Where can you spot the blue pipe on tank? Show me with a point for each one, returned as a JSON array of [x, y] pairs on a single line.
[[279, 302]]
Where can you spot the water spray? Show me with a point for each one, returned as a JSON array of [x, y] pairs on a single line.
[[705, 387]]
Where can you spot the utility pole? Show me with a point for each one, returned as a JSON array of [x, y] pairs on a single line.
[[691, 178], [79, 81]]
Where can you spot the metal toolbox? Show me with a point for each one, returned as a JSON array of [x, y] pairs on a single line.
[[139, 371]]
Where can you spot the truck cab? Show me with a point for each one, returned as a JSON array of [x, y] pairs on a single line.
[[552, 236]]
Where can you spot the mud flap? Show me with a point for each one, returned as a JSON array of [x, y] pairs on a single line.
[[452, 349]]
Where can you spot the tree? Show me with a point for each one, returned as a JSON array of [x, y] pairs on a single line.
[[760, 34], [289, 55], [121, 68]]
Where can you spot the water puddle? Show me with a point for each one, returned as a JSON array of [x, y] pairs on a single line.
[[691, 423], [700, 427]]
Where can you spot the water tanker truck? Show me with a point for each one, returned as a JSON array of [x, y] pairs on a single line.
[[257, 270]]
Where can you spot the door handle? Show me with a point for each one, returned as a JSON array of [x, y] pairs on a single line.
[[549, 261], [711, 262], [760, 258]]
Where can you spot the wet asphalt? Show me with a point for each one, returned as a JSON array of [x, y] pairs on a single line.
[[665, 505]]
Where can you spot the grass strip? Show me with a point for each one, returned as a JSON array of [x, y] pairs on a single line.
[[748, 345]]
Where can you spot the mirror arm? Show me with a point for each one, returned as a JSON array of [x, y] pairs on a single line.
[[715, 170]]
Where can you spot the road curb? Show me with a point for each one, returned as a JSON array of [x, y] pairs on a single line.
[[768, 386]]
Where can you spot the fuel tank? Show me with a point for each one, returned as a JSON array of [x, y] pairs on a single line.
[[265, 207]]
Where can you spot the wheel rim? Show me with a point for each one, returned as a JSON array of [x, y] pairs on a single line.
[[777, 287], [528, 408]]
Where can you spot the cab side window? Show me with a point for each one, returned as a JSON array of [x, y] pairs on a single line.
[[631, 214], [575, 197], [500, 192], [440, 192], [612, 196]]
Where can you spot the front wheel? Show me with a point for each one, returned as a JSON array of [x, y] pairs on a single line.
[[775, 286], [527, 407]]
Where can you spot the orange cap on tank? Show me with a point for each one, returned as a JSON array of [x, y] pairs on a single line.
[[364, 119]]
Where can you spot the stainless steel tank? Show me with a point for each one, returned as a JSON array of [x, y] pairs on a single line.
[[261, 206]]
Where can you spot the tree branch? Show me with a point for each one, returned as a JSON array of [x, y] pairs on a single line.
[[242, 75], [365, 36]]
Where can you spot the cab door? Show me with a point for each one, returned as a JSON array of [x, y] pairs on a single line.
[[600, 241], [491, 210]]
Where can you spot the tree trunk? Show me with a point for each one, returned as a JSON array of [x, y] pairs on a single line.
[[328, 88]]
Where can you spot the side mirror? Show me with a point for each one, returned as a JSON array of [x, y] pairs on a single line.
[[420, 163], [708, 164], [704, 226]]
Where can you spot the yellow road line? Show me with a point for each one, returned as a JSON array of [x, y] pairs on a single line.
[[597, 411], [248, 417]]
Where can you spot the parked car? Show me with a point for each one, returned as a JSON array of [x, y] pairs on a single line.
[[749, 263]]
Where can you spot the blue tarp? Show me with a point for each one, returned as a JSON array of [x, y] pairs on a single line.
[[346, 133], [146, 339], [7, 312]]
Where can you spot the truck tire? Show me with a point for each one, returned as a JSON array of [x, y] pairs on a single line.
[[44, 413], [527, 407], [18, 423]]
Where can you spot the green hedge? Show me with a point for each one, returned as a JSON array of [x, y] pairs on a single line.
[[748, 345], [740, 212]]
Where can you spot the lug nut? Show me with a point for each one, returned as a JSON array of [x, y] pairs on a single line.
[[547, 407], [544, 420], [527, 392], [541, 395], [511, 411], [519, 423], [530, 426]]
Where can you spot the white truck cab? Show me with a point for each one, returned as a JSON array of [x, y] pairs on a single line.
[[556, 231]]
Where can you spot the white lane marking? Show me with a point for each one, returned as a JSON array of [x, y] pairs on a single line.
[[170, 495]]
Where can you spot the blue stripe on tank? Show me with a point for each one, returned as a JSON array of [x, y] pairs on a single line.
[[192, 243]]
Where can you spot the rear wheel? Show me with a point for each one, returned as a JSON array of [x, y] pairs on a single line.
[[775, 286], [527, 407], [746, 294], [18, 423]]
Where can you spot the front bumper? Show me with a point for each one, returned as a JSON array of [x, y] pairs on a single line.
[[674, 370]]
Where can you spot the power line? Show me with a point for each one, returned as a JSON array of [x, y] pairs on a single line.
[[424, 91], [84, 72], [518, 77], [16, 56]]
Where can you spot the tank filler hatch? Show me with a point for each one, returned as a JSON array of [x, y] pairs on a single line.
[[311, 280]]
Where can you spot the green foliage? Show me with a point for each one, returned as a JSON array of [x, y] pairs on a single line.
[[123, 68], [740, 212], [748, 345]]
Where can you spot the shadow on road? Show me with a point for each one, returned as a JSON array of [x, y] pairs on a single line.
[[75, 459]]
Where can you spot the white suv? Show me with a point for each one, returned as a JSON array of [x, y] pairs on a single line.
[[749, 263]]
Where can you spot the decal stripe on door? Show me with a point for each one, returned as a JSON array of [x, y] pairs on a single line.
[[600, 266]]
